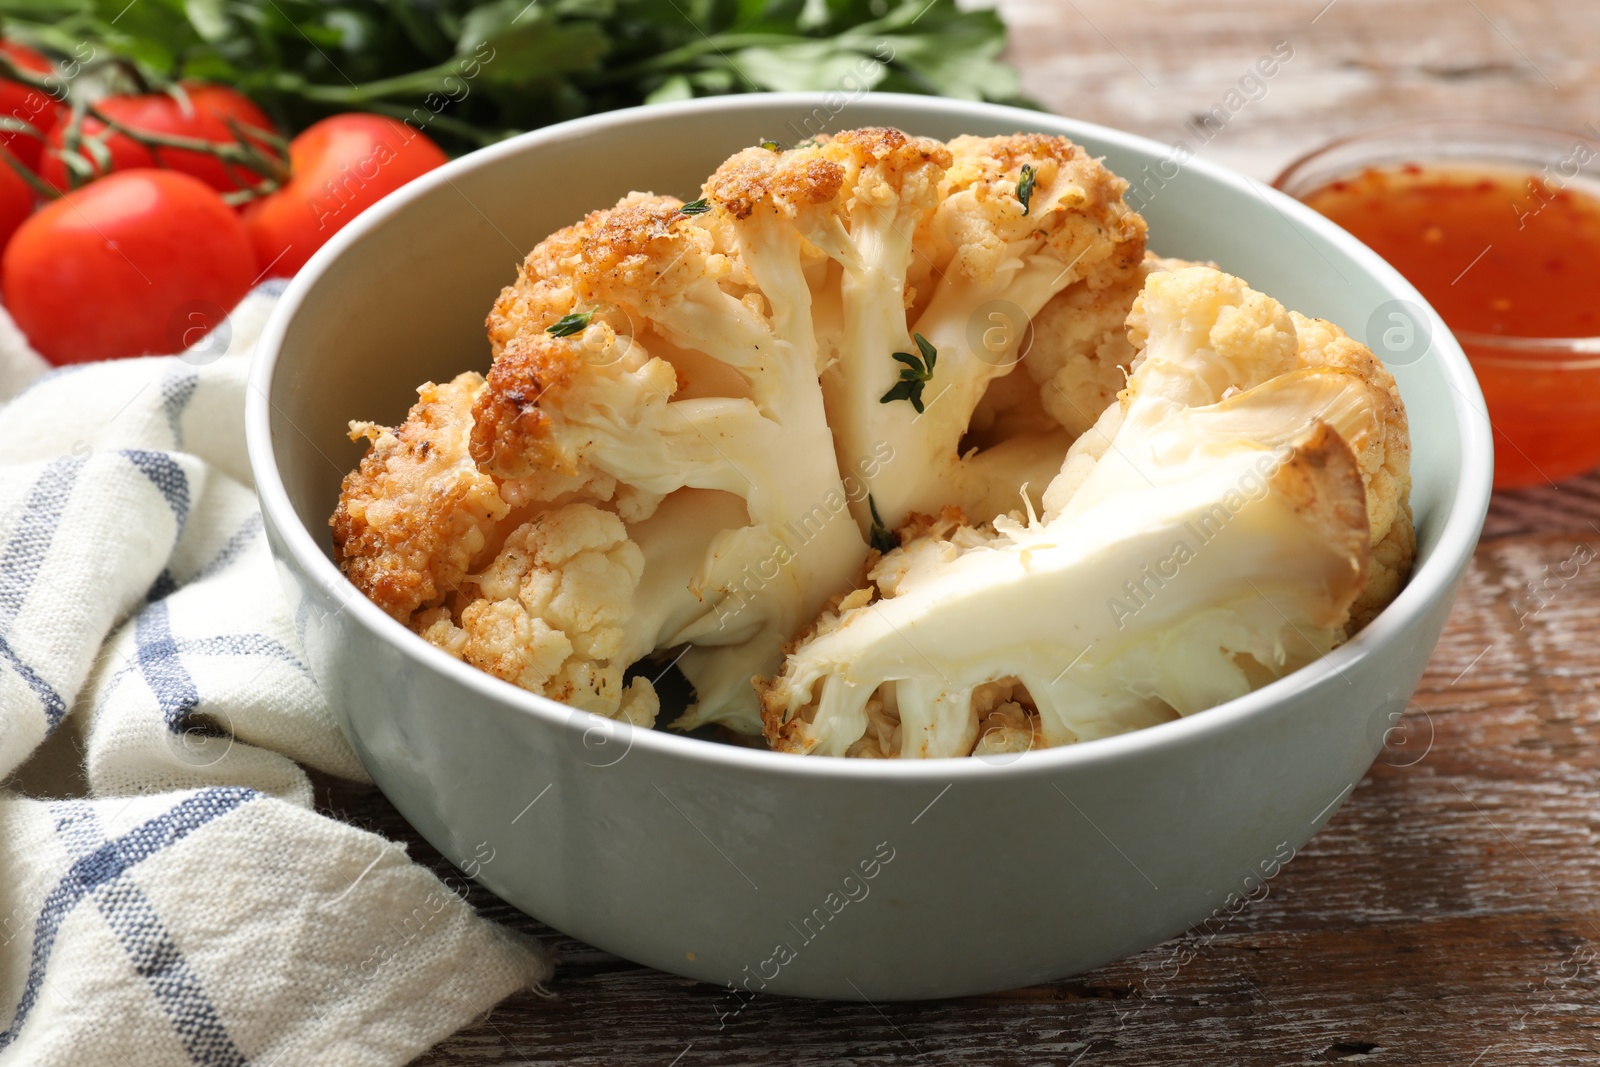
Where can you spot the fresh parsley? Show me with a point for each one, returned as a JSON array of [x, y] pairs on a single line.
[[915, 374], [472, 72], [1025, 183], [879, 537], [772, 146], [568, 325], [695, 207]]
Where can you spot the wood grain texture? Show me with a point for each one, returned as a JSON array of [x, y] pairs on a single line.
[[1150, 66], [1450, 912]]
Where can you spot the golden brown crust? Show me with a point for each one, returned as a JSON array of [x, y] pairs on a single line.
[[890, 150], [508, 428], [1034, 148], [1076, 205], [756, 176], [415, 513], [626, 247], [628, 233], [1391, 566], [1384, 458], [542, 292], [783, 735], [558, 277], [830, 169]]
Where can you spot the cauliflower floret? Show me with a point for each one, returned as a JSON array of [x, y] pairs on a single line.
[[586, 403], [971, 264], [547, 613], [1005, 722], [1216, 540], [418, 511], [1080, 355]]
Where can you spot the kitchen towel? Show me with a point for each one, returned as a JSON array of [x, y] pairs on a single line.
[[168, 894]]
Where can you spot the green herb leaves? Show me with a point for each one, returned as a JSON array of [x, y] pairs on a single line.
[[915, 374], [878, 537], [568, 325], [695, 207], [1025, 182], [471, 72]]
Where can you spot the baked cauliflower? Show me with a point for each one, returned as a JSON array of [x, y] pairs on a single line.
[[1217, 528], [705, 401], [703, 420]]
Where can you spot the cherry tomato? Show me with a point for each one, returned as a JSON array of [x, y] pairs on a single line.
[[16, 199], [122, 266], [26, 103], [205, 119], [341, 166], [225, 103]]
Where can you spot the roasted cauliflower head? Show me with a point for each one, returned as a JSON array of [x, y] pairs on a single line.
[[703, 420], [1235, 514]]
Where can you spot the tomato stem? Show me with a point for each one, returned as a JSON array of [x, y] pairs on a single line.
[[241, 152], [91, 154], [41, 188]]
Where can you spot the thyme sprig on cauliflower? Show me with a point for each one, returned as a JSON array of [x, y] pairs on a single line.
[[848, 434]]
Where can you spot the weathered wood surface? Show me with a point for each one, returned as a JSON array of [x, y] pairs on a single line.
[[1149, 66], [1450, 912]]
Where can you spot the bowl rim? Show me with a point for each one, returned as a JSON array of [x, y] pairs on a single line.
[[1433, 579], [1413, 126], [1519, 350]]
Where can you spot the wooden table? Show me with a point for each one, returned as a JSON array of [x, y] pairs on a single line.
[[1450, 912]]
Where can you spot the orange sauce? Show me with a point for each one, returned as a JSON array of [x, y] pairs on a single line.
[[1498, 253]]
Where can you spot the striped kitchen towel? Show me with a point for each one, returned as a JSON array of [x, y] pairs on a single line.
[[167, 893]]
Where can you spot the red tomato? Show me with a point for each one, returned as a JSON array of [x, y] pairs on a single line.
[[120, 266], [16, 199], [26, 103], [225, 103], [341, 166], [204, 118]]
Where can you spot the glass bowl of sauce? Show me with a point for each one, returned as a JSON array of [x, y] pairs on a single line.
[[1498, 226]]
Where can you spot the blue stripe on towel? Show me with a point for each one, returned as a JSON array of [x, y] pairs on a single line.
[[177, 389], [216, 645], [240, 645], [30, 542], [55, 708], [167, 476], [101, 867], [156, 958], [232, 549], [162, 666], [164, 586], [20, 563]]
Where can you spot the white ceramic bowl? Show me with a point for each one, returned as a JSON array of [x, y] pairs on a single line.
[[813, 876]]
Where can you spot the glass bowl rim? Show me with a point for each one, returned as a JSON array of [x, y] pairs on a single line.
[[1522, 350]]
